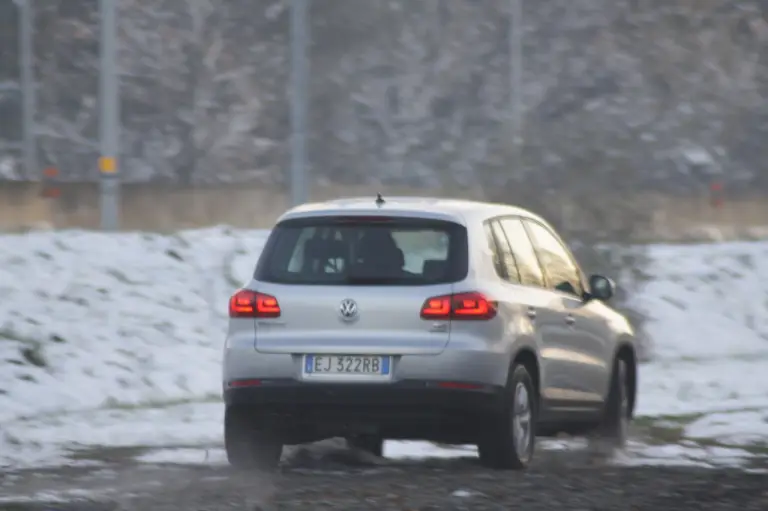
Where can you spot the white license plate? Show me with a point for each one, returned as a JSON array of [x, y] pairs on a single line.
[[347, 365]]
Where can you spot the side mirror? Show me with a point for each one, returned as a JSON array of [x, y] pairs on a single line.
[[601, 288]]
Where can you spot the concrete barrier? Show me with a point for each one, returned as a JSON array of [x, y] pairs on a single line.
[[164, 208]]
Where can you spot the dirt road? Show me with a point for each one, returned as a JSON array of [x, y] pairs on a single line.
[[558, 481]]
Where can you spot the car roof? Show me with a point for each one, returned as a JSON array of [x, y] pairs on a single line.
[[455, 210]]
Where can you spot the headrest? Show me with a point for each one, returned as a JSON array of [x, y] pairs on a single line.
[[400, 257], [377, 239], [325, 249]]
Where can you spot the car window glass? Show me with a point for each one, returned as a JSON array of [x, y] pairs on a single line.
[[525, 256], [361, 251], [295, 262], [421, 245], [497, 264], [506, 256], [562, 273]]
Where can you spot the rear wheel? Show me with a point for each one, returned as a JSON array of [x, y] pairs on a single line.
[[509, 443], [248, 446], [615, 426], [368, 443]]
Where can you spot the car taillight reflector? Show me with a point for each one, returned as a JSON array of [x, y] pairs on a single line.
[[459, 306], [244, 383], [250, 304], [453, 385]]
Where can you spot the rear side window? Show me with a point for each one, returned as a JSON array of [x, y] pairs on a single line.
[[364, 251], [498, 264], [511, 271], [521, 247]]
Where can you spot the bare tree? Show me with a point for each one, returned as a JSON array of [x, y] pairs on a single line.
[[211, 104]]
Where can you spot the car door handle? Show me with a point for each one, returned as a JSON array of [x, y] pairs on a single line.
[[531, 313], [570, 320]]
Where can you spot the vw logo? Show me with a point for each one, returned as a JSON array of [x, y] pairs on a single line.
[[348, 309]]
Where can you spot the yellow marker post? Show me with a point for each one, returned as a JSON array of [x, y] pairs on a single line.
[[107, 165]]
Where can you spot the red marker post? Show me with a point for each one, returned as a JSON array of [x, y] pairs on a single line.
[[50, 188], [716, 194]]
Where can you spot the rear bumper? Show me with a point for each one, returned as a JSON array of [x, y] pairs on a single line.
[[299, 395], [406, 409], [457, 363]]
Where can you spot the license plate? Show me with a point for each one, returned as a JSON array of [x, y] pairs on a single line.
[[347, 365]]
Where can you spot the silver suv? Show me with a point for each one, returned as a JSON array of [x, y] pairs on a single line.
[[414, 318]]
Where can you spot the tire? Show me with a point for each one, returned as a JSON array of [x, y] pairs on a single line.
[[247, 446], [510, 441], [368, 443], [615, 425]]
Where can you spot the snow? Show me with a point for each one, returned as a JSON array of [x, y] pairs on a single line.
[[748, 427], [55, 497], [683, 455], [417, 450], [185, 456], [698, 156], [115, 340], [126, 319], [34, 443], [709, 305]]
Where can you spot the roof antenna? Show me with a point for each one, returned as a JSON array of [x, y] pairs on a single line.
[[379, 200]]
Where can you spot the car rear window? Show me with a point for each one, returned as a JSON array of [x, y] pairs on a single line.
[[364, 251]]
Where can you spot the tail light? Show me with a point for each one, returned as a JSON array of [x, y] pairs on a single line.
[[460, 306], [250, 304]]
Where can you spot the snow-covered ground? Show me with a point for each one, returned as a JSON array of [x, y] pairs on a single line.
[[115, 341]]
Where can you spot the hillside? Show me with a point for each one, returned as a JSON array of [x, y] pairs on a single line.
[[617, 93]]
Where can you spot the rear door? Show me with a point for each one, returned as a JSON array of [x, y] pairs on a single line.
[[543, 308], [357, 285], [575, 350]]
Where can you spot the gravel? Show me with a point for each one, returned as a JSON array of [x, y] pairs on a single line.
[[557, 481]]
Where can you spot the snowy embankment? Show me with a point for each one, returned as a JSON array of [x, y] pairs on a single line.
[[115, 340], [90, 320]]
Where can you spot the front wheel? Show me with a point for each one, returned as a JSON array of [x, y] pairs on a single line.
[[510, 442], [247, 446]]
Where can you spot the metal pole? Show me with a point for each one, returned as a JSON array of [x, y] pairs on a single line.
[[28, 86], [516, 76], [109, 125], [299, 100]]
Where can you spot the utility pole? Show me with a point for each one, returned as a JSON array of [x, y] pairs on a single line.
[[299, 99], [109, 125], [28, 86], [516, 78]]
